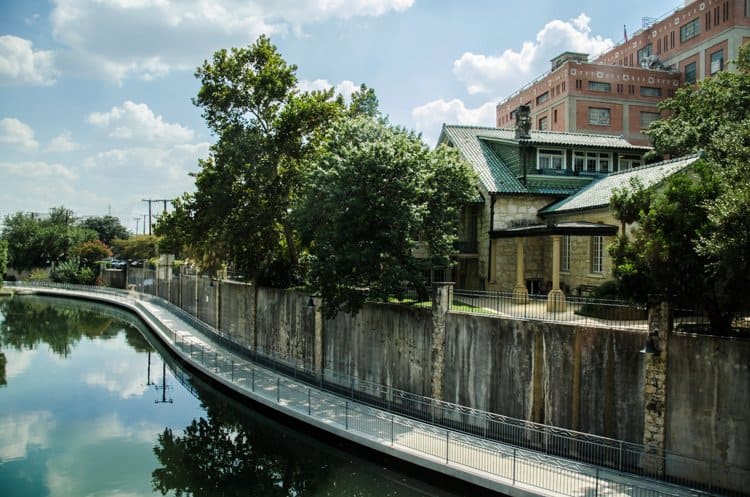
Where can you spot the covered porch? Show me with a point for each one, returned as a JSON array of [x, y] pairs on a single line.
[[556, 301]]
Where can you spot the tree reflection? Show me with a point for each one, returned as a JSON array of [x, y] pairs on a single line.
[[219, 457], [61, 324]]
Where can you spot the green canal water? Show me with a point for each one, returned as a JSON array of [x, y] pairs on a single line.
[[89, 407]]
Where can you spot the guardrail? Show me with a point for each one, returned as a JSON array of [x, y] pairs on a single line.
[[501, 432]]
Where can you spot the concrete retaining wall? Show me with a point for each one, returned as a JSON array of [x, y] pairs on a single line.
[[582, 378]]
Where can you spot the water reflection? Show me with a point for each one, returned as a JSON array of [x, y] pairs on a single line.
[[87, 416]]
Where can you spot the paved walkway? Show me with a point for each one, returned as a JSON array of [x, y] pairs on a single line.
[[506, 469]]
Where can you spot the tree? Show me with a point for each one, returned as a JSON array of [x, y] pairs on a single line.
[[692, 245], [91, 251], [107, 227], [139, 247], [3, 259], [239, 213], [37, 242], [375, 191]]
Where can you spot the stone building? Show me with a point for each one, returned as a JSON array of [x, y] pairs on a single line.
[[543, 222], [618, 92]]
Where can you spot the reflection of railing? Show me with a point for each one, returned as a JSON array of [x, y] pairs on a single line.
[[544, 456]]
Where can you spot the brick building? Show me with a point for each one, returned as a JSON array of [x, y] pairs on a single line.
[[617, 92]]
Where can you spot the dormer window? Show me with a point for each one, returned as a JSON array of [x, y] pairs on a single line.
[[550, 159], [592, 162]]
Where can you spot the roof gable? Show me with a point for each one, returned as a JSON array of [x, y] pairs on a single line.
[[498, 172], [599, 193]]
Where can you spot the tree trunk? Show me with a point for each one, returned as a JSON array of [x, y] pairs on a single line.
[[290, 244]]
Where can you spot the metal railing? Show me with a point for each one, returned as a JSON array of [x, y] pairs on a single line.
[[576, 310], [515, 465], [485, 427]]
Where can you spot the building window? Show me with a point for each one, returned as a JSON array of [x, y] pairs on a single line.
[[543, 124], [620, 87], [648, 117], [565, 254], [650, 91], [599, 117], [597, 254], [628, 162], [643, 55], [717, 62], [554, 112], [691, 72], [550, 159], [599, 86], [690, 30], [542, 98], [591, 162], [579, 84]]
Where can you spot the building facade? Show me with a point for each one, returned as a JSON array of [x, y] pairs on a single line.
[[618, 92]]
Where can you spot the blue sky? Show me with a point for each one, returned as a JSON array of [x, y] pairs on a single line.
[[95, 110]]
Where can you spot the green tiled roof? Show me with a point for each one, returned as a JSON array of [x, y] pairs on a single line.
[[599, 193], [493, 173], [496, 171]]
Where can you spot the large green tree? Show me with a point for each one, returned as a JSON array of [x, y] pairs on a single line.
[[693, 240], [35, 241], [265, 126], [374, 193], [107, 227]]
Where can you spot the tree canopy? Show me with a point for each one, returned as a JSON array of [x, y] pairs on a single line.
[[693, 241], [265, 126], [35, 241], [107, 228], [375, 191]]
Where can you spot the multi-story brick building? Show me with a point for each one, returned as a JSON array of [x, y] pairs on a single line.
[[617, 92]]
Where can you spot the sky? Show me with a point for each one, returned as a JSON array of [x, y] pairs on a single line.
[[95, 95]]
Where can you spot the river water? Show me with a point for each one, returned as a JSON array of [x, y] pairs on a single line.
[[90, 405]]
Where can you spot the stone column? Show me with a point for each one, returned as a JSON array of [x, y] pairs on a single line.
[[556, 298], [442, 298], [318, 345], [655, 388], [520, 293]]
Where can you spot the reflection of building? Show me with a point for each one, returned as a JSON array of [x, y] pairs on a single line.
[[545, 201], [617, 93]]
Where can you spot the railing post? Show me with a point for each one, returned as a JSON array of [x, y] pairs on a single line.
[[346, 414], [514, 465], [278, 389], [447, 445], [392, 429], [596, 491]]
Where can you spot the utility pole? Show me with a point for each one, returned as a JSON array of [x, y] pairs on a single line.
[[149, 215], [150, 201], [137, 219], [144, 224]]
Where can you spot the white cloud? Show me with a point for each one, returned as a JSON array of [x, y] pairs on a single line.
[[498, 74], [149, 38], [18, 432], [132, 121], [430, 117], [37, 170], [63, 143], [21, 65], [17, 134]]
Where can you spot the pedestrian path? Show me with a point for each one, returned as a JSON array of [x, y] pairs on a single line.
[[503, 468]]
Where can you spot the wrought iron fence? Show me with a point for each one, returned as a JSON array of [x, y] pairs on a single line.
[[574, 310]]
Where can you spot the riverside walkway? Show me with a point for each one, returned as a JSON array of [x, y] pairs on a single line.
[[503, 468]]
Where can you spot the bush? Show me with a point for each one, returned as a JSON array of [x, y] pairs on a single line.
[[71, 271]]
